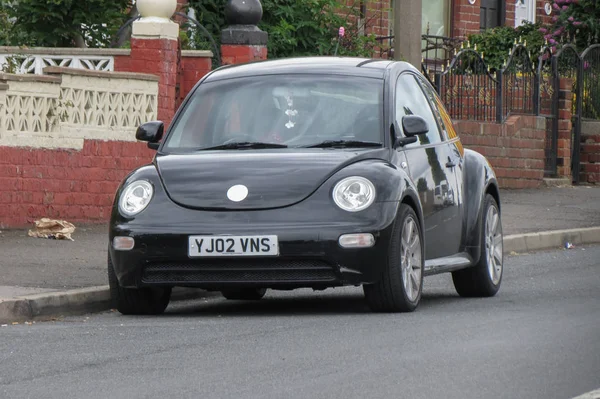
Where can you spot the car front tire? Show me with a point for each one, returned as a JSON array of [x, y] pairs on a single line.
[[484, 279], [244, 294], [136, 301], [400, 286]]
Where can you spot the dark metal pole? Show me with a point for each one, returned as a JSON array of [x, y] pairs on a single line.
[[536, 91], [499, 98]]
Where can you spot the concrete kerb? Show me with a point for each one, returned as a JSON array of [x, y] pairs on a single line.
[[73, 302], [87, 300], [520, 243]]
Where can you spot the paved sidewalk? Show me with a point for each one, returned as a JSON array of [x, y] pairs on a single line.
[[34, 265]]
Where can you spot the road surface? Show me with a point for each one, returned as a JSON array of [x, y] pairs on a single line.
[[538, 338]]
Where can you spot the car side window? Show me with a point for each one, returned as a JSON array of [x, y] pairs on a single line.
[[410, 100], [436, 106]]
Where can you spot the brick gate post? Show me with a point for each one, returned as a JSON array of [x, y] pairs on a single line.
[[155, 49], [242, 41]]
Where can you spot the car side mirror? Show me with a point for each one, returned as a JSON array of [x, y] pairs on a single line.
[[151, 132], [413, 126]]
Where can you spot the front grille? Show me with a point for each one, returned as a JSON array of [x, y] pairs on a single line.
[[242, 271]]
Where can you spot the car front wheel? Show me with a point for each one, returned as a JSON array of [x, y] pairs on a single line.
[[483, 280], [136, 301], [400, 286]]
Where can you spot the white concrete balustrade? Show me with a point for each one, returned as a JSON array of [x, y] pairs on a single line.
[[34, 60], [66, 106]]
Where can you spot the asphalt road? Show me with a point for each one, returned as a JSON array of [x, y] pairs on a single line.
[[538, 338]]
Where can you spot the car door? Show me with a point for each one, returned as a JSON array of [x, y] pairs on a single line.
[[453, 159], [426, 165]]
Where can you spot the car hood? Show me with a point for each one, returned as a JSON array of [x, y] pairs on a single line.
[[274, 178]]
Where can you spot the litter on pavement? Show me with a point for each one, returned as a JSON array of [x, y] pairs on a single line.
[[54, 229]]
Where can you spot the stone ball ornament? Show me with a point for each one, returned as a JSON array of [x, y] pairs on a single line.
[[156, 8], [243, 12]]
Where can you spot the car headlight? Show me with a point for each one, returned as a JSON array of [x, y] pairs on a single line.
[[354, 193], [136, 197]]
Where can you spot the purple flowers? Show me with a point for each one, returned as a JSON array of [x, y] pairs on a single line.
[[342, 31], [571, 19]]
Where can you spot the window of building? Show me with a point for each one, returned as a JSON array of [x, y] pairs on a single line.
[[435, 18]]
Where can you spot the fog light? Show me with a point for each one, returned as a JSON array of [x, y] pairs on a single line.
[[362, 240], [123, 243]]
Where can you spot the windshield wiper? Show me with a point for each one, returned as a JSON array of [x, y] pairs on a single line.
[[344, 144], [244, 145]]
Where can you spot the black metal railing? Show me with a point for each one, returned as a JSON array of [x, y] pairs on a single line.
[[519, 83], [436, 50], [468, 89]]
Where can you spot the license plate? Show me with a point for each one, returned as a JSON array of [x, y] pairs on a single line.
[[208, 246]]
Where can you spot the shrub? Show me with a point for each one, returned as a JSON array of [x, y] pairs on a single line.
[[575, 21], [497, 43], [295, 28]]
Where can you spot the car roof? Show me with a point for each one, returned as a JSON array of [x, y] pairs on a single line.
[[367, 67]]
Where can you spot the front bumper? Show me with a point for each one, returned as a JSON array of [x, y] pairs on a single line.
[[309, 253]]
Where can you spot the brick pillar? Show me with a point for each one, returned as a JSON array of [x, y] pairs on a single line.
[[155, 49], [565, 112], [242, 41]]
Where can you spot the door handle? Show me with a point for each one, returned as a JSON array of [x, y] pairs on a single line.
[[450, 164]]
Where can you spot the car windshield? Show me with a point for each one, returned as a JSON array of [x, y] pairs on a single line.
[[279, 111]]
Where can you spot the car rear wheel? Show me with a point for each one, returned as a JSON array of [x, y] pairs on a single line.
[[245, 294], [483, 280], [401, 283], [136, 301]]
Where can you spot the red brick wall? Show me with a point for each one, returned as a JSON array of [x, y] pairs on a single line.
[[78, 186], [465, 18], [123, 63], [510, 14], [515, 148], [191, 71], [590, 162], [377, 18], [541, 13]]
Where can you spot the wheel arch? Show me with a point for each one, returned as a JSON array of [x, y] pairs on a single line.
[[480, 180], [493, 190]]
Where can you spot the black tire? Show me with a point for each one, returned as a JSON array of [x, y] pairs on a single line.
[[389, 293], [136, 301], [477, 281], [244, 294]]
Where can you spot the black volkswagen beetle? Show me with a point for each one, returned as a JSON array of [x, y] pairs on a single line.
[[310, 172]]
